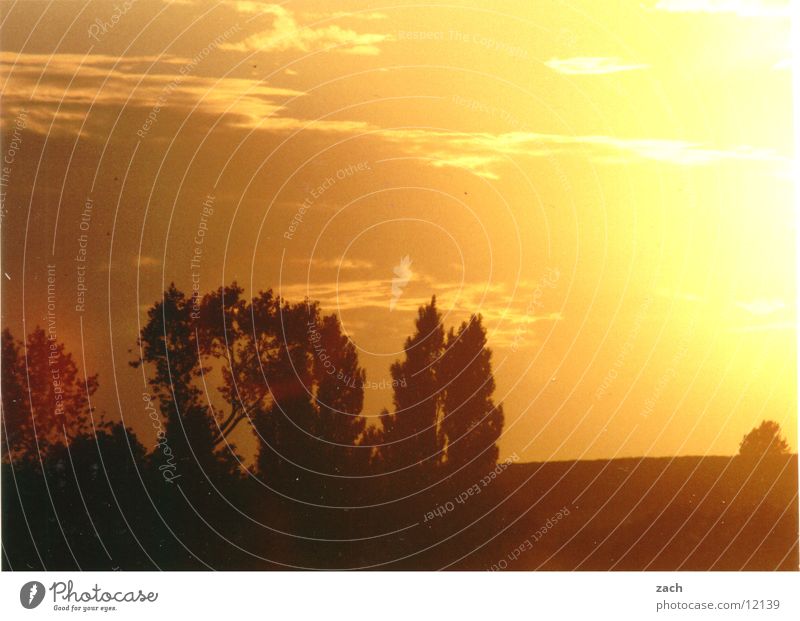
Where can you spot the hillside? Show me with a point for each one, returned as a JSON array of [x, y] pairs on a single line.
[[685, 513]]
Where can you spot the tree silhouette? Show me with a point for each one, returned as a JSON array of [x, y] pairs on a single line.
[[169, 344], [199, 472], [471, 421], [96, 497], [17, 421], [295, 377], [764, 441], [288, 451], [413, 432], [73, 487], [221, 322], [339, 398], [45, 395]]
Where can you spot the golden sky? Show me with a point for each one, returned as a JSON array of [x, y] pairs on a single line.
[[608, 182]]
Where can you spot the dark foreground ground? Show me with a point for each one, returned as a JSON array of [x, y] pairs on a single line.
[[713, 513]]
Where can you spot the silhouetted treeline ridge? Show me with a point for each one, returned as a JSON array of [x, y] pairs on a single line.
[[214, 363], [421, 489]]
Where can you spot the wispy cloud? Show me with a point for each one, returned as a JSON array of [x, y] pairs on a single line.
[[480, 165], [83, 90], [144, 261], [483, 153], [287, 33], [507, 315], [138, 261], [764, 315], [286, 123], [744, 8], [361, 15], [592, 65], [74, 83], [338, 264], [761, 306]]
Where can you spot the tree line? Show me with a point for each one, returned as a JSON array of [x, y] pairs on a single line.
[[325, 471], [330, 486]]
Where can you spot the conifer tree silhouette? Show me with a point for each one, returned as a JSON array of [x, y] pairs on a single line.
[[339, 398], [413, 434], [471, 422]]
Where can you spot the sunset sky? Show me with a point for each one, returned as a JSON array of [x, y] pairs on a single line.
[[609, 183]]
